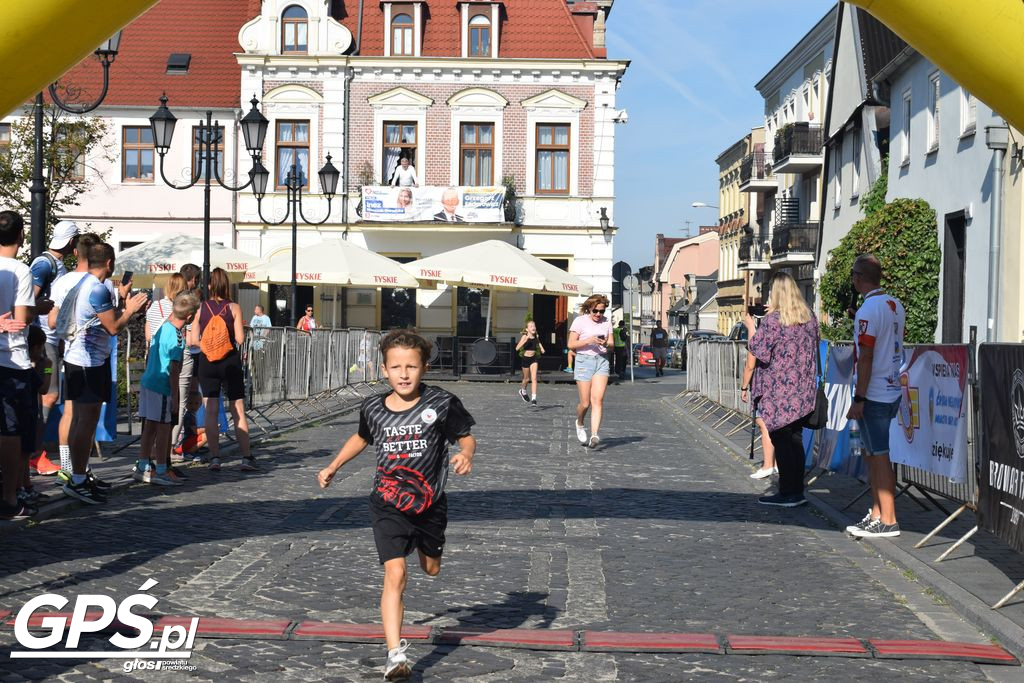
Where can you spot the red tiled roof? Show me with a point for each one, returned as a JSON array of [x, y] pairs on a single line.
[[207, 29], [529, 28]]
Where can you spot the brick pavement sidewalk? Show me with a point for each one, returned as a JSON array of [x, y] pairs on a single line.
[[653, 531]]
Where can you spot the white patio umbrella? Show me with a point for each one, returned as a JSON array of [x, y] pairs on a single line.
[[153, 262], [333, 262], [497, 265]]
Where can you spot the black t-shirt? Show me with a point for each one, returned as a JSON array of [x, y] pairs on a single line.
[[412, 446], [659, 338]]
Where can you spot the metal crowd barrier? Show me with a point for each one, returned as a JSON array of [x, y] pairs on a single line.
[[303, 374], [714, 374]]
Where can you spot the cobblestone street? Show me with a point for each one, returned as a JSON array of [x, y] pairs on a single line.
[[655, 530]]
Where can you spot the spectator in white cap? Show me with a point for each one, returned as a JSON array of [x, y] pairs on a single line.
[[46, 268]]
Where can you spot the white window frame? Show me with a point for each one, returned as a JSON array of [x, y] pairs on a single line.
[[416, 113], [417, 34], [468, 106], [494, 17], [968, 113], [934, 111], [837, 185], [287, 103], [906, 118], [855, 166], [562, 114]]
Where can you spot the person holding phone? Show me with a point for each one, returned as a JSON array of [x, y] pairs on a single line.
[[590, 336], [768, 468]]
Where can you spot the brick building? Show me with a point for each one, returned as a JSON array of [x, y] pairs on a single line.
[[473, 92]]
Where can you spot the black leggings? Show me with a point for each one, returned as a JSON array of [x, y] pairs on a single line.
[[789, 457]]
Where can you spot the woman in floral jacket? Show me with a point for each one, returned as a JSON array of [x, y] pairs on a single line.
[[785, 382]]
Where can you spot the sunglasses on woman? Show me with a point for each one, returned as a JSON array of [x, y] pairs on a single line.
[[598, 311]]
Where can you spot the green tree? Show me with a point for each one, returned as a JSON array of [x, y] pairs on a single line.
[[903, 235], [72, 147]]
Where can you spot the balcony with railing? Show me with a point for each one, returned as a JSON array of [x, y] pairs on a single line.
[[799, 148], [752, 252], [756, 173], [794, 243]]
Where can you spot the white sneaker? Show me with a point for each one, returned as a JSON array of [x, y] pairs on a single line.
[[594, 440], [523, 395], [397, 668], [764, 472], [581, 433]]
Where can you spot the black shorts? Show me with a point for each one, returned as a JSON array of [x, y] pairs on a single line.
[[529, 360], [19, 406], [397, 534], [87, 385], [224, 375]]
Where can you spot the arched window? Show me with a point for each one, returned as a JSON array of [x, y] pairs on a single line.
[[480, 36], [294, 29], [401, 35]]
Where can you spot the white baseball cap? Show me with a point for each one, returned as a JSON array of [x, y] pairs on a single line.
[[63, 233]]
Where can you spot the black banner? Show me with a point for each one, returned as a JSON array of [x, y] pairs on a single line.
[[1001, 467]]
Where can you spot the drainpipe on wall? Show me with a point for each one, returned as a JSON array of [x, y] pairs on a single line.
[[997, 139]]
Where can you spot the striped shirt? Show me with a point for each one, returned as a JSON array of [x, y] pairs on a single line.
[[157, 313], [412, 446]]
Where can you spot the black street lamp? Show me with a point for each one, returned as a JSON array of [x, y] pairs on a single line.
[[254, 131], [259, 176], [106, 52]]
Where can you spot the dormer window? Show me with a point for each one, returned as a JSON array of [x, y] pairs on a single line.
[[402, 27], [480, 28], [480, 36], [294, 31]]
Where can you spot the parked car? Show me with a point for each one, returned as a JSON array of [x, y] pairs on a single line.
[[636, 352], [738, 333], [645, 356], [691, 336]]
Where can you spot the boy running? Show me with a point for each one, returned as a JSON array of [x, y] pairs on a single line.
[[411, 428]]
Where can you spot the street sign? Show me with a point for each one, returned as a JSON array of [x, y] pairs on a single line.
[[630, 283], [620, 271]]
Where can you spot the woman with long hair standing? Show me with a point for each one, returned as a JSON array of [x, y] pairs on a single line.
[[530, 347], [219, 334], [785, 383], [590, 336]]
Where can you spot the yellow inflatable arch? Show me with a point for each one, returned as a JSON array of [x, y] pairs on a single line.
[[979, 43], [41, 39]]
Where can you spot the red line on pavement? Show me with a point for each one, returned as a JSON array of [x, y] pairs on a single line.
[[318, 630], [510, 637], [941, 649], [612, 641], [794, 645], [229, 628]]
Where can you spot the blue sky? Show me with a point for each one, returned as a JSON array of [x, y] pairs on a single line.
[[690, 94]]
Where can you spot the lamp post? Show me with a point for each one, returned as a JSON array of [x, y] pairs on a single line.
[[106, 53], [254, 130], [703, 205], [259, 176], [605, 222]]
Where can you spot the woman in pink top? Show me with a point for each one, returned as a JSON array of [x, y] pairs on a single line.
[[590, 336]]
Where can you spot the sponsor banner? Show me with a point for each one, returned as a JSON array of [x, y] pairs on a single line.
[[930, 432], [1001, 467], [831, 449], [434, 204]]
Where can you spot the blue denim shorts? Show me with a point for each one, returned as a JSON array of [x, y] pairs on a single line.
[[588, 365], [874, 426]]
